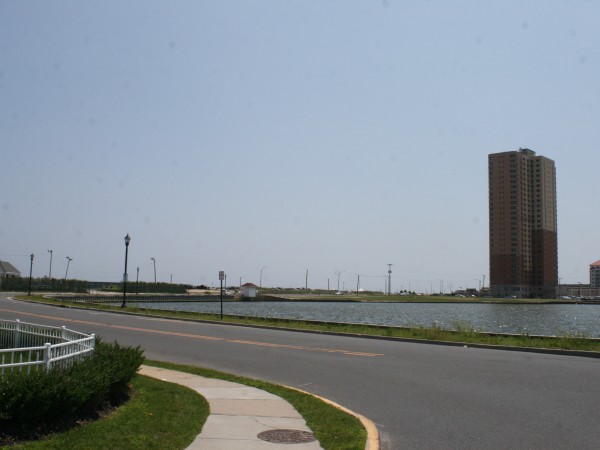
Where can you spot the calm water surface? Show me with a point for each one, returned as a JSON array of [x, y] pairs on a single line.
[[497, 318]]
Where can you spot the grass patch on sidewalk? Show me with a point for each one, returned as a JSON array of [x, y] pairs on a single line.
[[335, 429], [159, 416]]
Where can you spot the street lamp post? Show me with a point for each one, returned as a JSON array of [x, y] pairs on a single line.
[[50, 273], [137, 282], [69, 259], [127, 239], [30, 271], [221, 278], [260, 282], [154, 261], [339, 273]]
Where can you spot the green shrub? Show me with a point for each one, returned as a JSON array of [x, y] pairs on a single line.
[[39, 401]]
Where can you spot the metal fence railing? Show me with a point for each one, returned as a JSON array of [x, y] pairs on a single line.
[[27, 346]]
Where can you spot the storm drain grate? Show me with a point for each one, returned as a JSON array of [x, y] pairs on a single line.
[[287, 436]]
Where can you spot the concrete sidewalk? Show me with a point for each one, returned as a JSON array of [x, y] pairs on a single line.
[[239, 413]]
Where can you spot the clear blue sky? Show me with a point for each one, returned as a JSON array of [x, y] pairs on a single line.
[[321, 135]]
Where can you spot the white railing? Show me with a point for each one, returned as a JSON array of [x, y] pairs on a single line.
[[26, 345]]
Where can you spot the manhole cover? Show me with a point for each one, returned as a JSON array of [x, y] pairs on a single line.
[[287, 436]]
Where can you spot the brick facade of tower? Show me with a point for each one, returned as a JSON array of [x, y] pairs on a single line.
[[522, 220]]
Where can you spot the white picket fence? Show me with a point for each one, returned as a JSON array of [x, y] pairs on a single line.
[[24, 346]]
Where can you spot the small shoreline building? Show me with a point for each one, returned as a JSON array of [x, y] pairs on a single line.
[[249, 291]]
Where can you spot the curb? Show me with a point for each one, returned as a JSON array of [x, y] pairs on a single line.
[[372, 432], [372, 441]]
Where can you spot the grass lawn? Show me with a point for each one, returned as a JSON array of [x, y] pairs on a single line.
[[159, 416], [165, 416], [335, 429]]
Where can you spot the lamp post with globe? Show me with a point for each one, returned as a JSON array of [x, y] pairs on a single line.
[[127, 240]]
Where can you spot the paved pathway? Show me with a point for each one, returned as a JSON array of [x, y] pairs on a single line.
[[239, 413]]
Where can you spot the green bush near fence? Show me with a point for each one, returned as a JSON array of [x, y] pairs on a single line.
[[39, 402]]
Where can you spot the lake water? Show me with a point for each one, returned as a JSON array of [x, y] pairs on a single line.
[[495, 318]]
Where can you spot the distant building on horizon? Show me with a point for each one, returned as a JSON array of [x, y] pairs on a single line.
[[523, 225], [249, 290], [8, 270], [595, 275]]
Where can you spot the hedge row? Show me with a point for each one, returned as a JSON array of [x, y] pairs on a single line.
[[42, 401]]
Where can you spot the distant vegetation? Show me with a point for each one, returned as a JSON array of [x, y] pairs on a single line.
[[21, 284]]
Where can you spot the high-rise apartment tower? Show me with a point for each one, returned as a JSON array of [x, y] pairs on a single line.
[[523, 238]]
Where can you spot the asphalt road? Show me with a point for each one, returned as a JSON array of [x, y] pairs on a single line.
[[420, 396]]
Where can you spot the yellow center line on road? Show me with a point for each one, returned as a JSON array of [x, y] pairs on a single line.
[[198, 336], [300, 347]]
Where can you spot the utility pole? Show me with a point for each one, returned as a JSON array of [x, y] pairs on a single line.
[[50, 273], [69, 259], [338, 275], [260, 282], [306, 281], [390, 279]]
